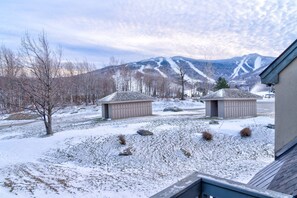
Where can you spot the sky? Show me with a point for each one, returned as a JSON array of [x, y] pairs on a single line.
[[133, 30]]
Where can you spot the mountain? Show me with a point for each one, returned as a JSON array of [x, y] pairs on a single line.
[[237, 70]]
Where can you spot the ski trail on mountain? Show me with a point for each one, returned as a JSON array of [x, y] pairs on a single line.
[[175, 68], [257, 63], [238, 68], [157, 68], [200, 72]]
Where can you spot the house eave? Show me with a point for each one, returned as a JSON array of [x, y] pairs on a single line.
[[270, 74], [270, 81]]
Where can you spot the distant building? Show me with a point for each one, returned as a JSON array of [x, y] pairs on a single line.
[[269, 95], [230, 103], [126, 104], [281, 175]]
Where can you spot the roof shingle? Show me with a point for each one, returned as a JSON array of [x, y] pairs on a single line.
[[125, 96], [280, 175], [224, 94]]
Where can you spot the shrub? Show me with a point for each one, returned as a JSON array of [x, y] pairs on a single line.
[[207, 135], [246, 132], [122, 139]]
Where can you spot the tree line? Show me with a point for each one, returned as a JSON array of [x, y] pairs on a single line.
[[39, 79]]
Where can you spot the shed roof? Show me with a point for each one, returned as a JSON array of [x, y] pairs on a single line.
[[230, 94], [270, 74], [280, 175], [125, 96]]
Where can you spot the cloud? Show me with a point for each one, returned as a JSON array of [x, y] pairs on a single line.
[[136, 29]]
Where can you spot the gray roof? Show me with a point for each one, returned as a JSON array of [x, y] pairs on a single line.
[[280, 175], [125, 96], [270, 74], [225, 94]]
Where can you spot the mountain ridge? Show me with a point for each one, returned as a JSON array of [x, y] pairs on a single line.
[[236, 69]]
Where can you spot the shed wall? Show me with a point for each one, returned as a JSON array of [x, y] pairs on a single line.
[[285, 106], [207, 108], [239, 108], [131, 109], [221, 109]]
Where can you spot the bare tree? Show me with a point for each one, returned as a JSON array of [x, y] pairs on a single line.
[[10, 68], [139, 81], [42, 82], [182, 80]]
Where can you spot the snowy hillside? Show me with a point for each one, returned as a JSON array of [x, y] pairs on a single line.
[[82, 158], [250, 63], [234, 69]]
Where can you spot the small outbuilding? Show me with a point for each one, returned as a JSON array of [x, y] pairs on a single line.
[[230, 103], [126, 104]]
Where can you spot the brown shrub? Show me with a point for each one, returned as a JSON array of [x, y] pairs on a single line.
[[122, 139], [207, 135], [246, 132]]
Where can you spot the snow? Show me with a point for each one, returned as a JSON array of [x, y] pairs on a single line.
[[244, 62], [261, 90], [159, 65], [247, 64], [173, 65], [81, 159], [238, 68], [159, 105], [231, 127], [141, 69], [175, 68], [257, 64], [162, 74], [200, 72]]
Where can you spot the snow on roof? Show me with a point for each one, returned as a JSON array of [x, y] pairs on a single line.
[[230, 94], [125, 96]]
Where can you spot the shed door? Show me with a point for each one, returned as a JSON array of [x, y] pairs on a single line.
[[214, 108], [106, 111]]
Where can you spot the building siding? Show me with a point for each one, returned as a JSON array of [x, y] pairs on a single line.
[[233, 108], [221, 109], [126, 110], [207, 108], [285, 106], [240, 108]]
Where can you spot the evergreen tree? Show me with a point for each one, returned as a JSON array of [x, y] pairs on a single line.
[[221, 83]]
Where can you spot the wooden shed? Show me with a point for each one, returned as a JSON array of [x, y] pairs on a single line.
[[230, 103], [126, 104]]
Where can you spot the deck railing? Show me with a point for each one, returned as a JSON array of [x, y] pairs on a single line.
[[199, 185]]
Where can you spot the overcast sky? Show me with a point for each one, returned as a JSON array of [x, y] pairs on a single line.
[[133, 30]]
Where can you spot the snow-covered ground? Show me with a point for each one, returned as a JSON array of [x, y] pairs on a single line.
[[82, 157]]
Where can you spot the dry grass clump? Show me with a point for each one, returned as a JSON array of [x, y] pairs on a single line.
[[246, 132], [207, 136], [122, 139]]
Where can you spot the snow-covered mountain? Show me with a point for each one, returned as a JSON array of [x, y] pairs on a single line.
[[235, 69]]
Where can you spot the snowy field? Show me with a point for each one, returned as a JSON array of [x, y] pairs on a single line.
[[82, 157]]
